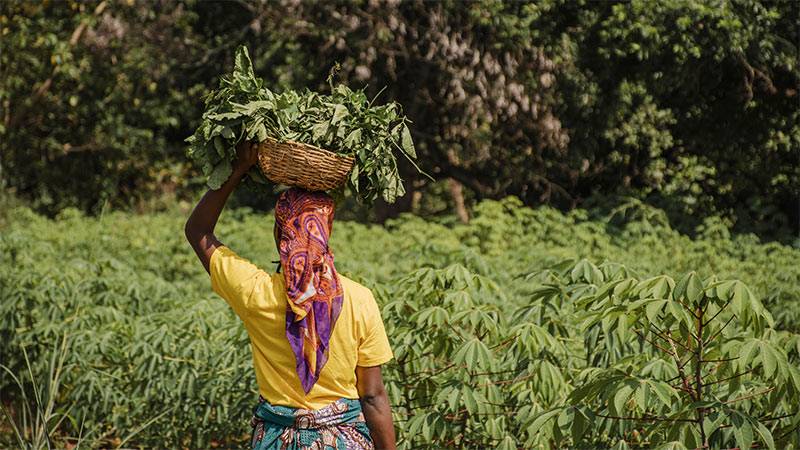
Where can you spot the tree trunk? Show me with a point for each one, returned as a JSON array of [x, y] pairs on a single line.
[[457, 192]]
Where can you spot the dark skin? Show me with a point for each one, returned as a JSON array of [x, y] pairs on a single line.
[[375, 405], [200, 226], [199, 232]]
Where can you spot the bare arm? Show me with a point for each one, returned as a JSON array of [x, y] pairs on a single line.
[[376, 408], [199, 227]]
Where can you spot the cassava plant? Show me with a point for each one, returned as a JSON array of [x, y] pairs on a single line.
[[687, 364], [465, 381], [486, 353]]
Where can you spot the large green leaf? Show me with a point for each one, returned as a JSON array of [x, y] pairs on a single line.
[[474, 354], [407, 142], [220, 174]]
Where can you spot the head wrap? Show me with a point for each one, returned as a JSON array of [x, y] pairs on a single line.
[[304, 220]]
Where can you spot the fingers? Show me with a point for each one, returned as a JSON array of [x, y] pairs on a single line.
[[247, 150], [252, 152]]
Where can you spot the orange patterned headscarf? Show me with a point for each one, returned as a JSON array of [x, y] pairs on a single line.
[[303, 222]]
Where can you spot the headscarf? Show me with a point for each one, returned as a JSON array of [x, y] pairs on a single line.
[[304, 220]]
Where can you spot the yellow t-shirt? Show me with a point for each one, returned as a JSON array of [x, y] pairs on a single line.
[[259, 299]]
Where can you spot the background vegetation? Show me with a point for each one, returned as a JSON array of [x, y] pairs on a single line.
[[692, 106], [522, 347]]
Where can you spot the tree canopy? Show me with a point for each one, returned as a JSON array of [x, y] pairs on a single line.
[[691, 106]]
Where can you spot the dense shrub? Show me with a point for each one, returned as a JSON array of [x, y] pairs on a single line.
[[526, 327], [691, 105]]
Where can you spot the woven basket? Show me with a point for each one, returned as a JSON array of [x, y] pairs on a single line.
[[303, 165]]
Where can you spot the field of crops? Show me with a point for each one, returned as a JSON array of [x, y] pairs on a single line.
[[526, 328]]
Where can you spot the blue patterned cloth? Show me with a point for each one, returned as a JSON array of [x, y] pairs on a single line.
[[338, 426]]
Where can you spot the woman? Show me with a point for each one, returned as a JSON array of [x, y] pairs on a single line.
[[317, 337]]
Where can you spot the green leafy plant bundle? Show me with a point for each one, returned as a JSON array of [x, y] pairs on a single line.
[[344, 122]]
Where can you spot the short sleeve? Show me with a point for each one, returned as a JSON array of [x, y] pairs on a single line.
[[233, 277], [373, 348]]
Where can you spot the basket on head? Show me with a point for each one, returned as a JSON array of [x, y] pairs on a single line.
[[302, 165]]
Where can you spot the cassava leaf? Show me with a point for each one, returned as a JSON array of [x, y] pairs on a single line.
[[407, 142]]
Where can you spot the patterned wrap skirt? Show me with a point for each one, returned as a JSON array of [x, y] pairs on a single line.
[[338, 426]]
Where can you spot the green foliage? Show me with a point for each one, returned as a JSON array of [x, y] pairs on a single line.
[[526, 328], [688, 105], [92, 111], [691, 85], [693, 361], [38, 418], [691, 105], [344, 122]]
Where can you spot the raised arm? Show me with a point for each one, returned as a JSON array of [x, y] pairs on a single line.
[[376, 408], [199, 227]]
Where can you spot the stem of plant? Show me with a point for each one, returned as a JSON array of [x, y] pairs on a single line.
[[698, 375]]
